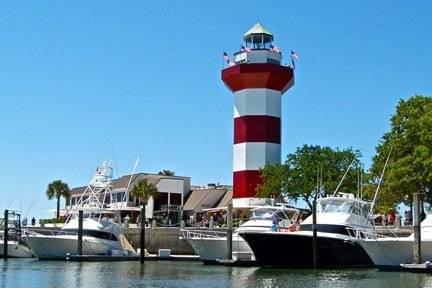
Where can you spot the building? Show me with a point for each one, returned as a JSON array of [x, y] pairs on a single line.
[[258, 80], [165, 209], [209, 197]]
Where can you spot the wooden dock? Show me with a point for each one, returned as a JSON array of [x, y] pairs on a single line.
[[417, 268], [237, 263], [112, 258]]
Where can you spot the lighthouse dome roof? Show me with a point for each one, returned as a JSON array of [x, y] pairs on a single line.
[[258, 29]]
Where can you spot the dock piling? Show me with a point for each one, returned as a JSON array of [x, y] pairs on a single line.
[[80, 231], [229, 231], [314, 235], [6, 235], [142, 235], [417, 233]]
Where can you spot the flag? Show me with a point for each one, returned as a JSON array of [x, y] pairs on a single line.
[[226, 57], [247, 49], [294, 57], [275, 49]]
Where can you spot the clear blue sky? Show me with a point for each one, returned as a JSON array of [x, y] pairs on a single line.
[[144, 77]]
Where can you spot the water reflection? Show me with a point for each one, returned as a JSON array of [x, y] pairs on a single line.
[[34, 273]]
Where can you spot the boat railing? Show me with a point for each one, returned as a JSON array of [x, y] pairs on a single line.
[[202, 234], [47, 232], [362, 233]]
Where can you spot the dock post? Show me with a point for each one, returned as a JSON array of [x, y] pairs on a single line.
[[6, 235], [314, 235], [142, 235], [80, 231], [229, 231], [417, 233]]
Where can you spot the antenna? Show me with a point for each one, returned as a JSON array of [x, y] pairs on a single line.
[[343, 177], [380, 181], [114, 160], [130, 180]]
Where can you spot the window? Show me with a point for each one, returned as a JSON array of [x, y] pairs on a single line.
[[272, 61]]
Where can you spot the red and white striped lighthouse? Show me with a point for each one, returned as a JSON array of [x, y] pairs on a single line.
[[258, 80]]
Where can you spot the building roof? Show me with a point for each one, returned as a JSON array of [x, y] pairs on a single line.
[[122, 182], [258, 28], [204, 198], [226, 199]]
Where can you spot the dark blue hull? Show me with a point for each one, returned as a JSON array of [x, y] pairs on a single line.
[[294, 250]]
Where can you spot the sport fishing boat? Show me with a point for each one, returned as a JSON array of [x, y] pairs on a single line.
[[101, 235], [211, 246], [390, 252], [16, 247], [337, 220]]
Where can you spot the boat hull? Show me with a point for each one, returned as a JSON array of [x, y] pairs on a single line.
[[58, 247], [16, 250], [294, 250], [389, 253], [212, 249]]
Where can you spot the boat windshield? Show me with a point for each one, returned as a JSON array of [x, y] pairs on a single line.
[[266, 213], [343, 206]]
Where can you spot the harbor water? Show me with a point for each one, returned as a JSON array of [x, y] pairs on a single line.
[[34, 273]]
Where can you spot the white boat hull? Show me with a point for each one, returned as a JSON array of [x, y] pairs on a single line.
[[57, 247], [16, 250], [391, 252], [212, 249]]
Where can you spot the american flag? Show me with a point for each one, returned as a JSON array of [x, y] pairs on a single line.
[[294, 55], [226, 57], [275, 49], [247, 49]]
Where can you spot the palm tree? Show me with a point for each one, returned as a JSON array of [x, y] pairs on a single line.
[[57, 189], [143, 190], [166, 173]]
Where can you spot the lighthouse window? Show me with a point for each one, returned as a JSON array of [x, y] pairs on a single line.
[[272, 61]]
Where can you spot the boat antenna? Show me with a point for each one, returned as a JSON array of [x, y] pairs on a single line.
[[130, 180], [343, 177], [379, 183], [10, 203], [31, 206], [114, 161]]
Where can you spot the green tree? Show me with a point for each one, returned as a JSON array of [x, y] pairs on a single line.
[[166, 173], [143, 190], [296, 179], [410, 166], [57, 189]]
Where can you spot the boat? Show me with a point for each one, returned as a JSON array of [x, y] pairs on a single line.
[[17, 247], [391, 252], [211, 245], [338, 219], [101, 234]]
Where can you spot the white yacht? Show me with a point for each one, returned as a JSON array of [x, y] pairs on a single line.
[[212, 245], [390, 252], [101, 235], [338, 218]]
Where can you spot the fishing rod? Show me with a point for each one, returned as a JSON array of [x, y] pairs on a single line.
[[343, 177], [379, 183]]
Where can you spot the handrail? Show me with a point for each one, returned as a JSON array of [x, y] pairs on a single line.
[[208, 234]]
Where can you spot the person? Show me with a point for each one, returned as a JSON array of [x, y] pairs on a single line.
[[391, 217], [24, 221], [33, 221], [275, 221]]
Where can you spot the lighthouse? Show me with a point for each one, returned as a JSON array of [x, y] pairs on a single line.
[[257, 80]]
